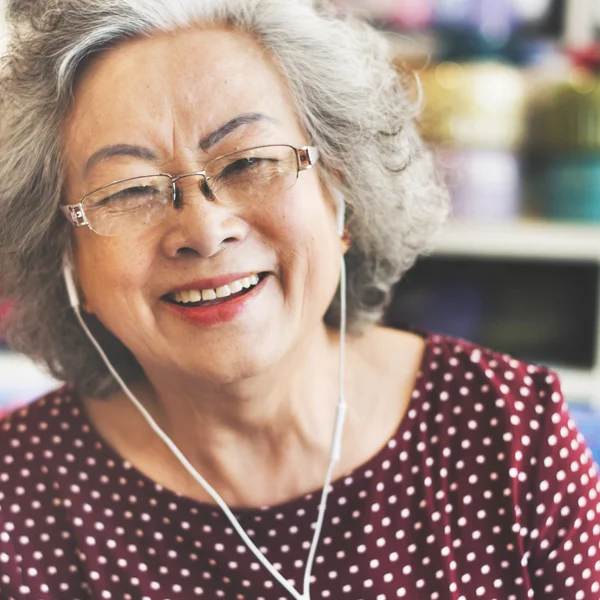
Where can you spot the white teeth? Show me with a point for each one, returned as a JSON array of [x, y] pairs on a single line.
[[223, 291], [189, 296], [235, 287]]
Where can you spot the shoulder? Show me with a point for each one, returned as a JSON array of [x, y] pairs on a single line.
[[497, 417], [31, 421], [458, 380], [30, 437], [495, 436], [42, 446], [501, 420], [484, 401], [468, 370], [460, 371]]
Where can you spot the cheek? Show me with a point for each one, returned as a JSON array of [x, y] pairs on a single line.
[[304, 215], [110, 273], [308, 246]]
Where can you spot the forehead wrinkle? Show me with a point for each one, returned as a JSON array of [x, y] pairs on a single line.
[[180, 147]]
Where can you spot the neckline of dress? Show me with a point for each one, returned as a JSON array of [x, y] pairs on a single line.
[[390, 447]]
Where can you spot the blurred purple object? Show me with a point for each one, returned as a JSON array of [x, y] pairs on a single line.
[[484, 184], [494, 18]]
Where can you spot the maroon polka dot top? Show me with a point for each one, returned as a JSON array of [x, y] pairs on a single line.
[[486, 490]]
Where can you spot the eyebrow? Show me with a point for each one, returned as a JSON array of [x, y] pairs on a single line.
[[224, 130], [118, 150], [205, 144]]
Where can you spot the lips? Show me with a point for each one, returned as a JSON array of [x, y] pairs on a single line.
[[193, 297], [208, 313]]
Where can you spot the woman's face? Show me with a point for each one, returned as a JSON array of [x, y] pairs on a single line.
[[152, 106]]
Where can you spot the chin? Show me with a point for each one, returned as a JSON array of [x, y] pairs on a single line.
[[241, 364]]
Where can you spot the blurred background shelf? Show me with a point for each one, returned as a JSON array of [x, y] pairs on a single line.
[[525, 239], [529, 288], [580, 384]]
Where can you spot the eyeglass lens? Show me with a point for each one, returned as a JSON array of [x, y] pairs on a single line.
[[253, 176]]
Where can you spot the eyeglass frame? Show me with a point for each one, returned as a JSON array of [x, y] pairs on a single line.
[[75, 213]]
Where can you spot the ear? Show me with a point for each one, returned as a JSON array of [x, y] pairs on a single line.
[[346, 240]]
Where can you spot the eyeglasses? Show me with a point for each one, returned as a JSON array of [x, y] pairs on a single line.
[[245, 177]]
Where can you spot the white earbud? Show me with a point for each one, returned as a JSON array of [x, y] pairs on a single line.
[[341, 211], [70, 282]]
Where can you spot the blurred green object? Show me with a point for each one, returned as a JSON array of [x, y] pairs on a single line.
[[474, 114], [564, 147], [474, 105], [565, 115], [569, 187]]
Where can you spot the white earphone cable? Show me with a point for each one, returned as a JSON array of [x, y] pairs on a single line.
[[336, 445], [335, 448]]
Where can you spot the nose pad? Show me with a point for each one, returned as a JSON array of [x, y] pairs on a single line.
[[178, 201], [203, 186]]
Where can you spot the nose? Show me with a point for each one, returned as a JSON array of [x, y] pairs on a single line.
[[200, 225]]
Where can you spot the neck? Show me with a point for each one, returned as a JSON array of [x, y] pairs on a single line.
[[274, 424], [278, 448]]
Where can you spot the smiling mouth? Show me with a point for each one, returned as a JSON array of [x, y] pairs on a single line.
[[220, 295]]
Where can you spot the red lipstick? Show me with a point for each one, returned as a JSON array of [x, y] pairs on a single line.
[[223, 310]]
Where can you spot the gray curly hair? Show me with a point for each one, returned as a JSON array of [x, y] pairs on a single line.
[[351, 101]]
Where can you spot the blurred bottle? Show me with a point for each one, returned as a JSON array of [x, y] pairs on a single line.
[[564, 147], [474, 115]]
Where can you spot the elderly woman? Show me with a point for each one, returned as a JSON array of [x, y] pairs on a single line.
[[219, 163]]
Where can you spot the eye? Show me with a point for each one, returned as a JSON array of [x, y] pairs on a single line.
[[132, 196], [244, 164]]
